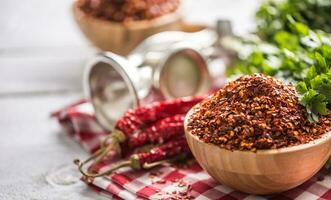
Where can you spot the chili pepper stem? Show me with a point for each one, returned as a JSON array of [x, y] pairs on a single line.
[[133, 162], [180, 157], [115, 138], [94, 175], [154, 164], [99, 158]]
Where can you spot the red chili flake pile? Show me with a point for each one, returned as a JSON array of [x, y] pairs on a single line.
[[255, 112], [127, 10]]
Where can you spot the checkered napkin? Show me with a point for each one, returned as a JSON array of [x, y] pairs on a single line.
[[167, 181]]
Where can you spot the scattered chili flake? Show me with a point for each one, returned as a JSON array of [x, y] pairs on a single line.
[[179, 195], [255, 112], [181, 183], [175, 180], [155, 174], [161, 181], [189, 188], [127, 10]]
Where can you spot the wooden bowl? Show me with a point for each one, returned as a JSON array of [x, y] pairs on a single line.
[[263, 172], [121, 38]]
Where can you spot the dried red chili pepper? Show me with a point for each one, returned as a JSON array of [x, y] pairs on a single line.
[[130, 128], [174, 149], [162, 152], [138, 118], [160, 132]]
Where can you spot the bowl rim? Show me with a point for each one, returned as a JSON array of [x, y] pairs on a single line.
[[323, 139], [133, 25]]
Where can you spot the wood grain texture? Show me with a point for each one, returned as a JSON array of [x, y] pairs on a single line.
[[122, 38], [263, 172]]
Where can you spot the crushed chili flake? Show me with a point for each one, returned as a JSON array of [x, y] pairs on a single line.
[[255, 112], [155, 174], [162, 181], [181, 193], [127, 10]]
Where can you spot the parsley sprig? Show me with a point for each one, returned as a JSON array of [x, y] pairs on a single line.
[[300, 56], [272, 16]]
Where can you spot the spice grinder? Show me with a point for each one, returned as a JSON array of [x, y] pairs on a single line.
[[166, 65]]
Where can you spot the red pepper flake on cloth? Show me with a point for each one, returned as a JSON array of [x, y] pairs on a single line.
[[128, 10], [182, 191], [255, 112]]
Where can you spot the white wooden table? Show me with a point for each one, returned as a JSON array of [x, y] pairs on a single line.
[[42, 56]]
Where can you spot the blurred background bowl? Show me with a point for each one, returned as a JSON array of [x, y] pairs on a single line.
[[121, 38]]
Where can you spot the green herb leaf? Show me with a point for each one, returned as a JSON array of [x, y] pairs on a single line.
[[300, 28], [322, 84], [286, 40], [321, 66], [302, 55], [301, 88]]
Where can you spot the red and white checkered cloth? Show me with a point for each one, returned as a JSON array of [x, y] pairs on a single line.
[[167, 182]]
